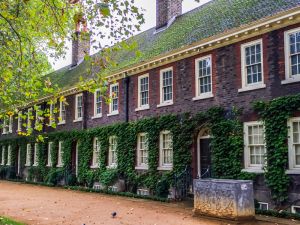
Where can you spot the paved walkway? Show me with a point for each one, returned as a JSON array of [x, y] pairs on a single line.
[[42, 205]]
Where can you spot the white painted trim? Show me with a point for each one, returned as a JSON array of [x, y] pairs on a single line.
[[110, 164], [199, 96], [28, 155], [247, 165], [77, 119], [138, 154], [19, 128], [293, 168], [162, 102], [252, 87], [97, 115], [163, 166], [60, 153], [245, 86], [35, 155], [60, 113], [94, 165], [288, 74], [19, 161], [29, 122], [49, 153], [143, 107], [116, 112], [263, 203], [293, 207], [9, 150]]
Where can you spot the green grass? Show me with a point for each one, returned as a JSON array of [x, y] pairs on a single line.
[[7, 221]]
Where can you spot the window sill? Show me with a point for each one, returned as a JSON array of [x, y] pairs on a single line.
[[165, 168], [113, 113], [146, 107], [27, 165], [141, 167], [203, 96], [252, 87], [77, 120], [48, 165], [111, 167], [61, 123], [94, 167], [293, 171], [97, 116], [34, 165], [165, 104], [8, 164], [253, 170], [291, 80], [59, 166]]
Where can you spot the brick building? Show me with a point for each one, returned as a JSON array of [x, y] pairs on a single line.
[[224, 53]]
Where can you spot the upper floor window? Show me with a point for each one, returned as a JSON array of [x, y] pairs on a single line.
[[60, 154], [19, 121], [5, 125], [255, 150], [35, 154], [49, 156], [10, 125], [38, 117], [292, 55], [143, 92], [28, 155], [97, 104], [3, 155], [294, 143], [114, 95], [166, 150], [166, 87], [142, 151], [62, 112], [78, 107], [112, 156], [203, 68], [8, 163], [51, 114], [96, 152], [252, 65], [29, 118]]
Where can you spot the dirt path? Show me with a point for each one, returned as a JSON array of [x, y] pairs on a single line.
[[42, 205]]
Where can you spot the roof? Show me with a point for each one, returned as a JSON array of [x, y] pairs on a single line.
[[210, 19]]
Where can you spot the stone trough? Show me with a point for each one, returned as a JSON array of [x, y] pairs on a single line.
[[224, 199]]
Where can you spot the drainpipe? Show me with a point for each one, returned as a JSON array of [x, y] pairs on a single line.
[[126, 96]]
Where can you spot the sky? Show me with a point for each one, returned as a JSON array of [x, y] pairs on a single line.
[[150, 19]]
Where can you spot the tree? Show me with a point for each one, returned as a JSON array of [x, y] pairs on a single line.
[[30, 29]]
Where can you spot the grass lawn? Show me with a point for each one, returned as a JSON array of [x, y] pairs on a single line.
[[7, 221]]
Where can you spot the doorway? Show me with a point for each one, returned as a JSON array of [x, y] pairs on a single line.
[[204, 154]]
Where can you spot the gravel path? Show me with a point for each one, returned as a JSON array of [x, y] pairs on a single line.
[[42, 205]]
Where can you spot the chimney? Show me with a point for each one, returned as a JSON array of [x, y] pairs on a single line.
[[167, 11], [80, 42]]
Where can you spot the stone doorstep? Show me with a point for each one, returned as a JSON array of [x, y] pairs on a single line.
[[276, 220]]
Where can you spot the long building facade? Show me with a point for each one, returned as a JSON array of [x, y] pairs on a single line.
[[251, 54]]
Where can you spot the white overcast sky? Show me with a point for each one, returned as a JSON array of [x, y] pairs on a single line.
[[150, 19]]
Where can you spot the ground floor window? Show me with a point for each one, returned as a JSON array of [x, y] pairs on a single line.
[[49, 162], [3, 155], [166, 150], [8, 156], [35, 155], [255, 149], [96, 151], [112, 157], [60, 154], [142, 151], [294, 143], [28, 155]]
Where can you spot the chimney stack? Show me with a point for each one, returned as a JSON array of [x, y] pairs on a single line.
[[167, 11], [80, 42]]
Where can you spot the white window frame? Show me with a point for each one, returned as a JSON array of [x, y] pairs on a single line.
[[288, 74], [28, 155], [37, 118], [61, 121], [5, 125], [293, 168], [97, 115], [247, 165], [258, 85], [51, 114], [19, 121], [115, 112], [49, 154], [29, 121], [8, 162], [139, 102], [162, 165], [263, 203], [96, 153], [161, 93], [198, 95], [35, 155], [110, 152], [294, 207], [140, 165], [60, 153], [10, 124], [77, 119], [3, 156]]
